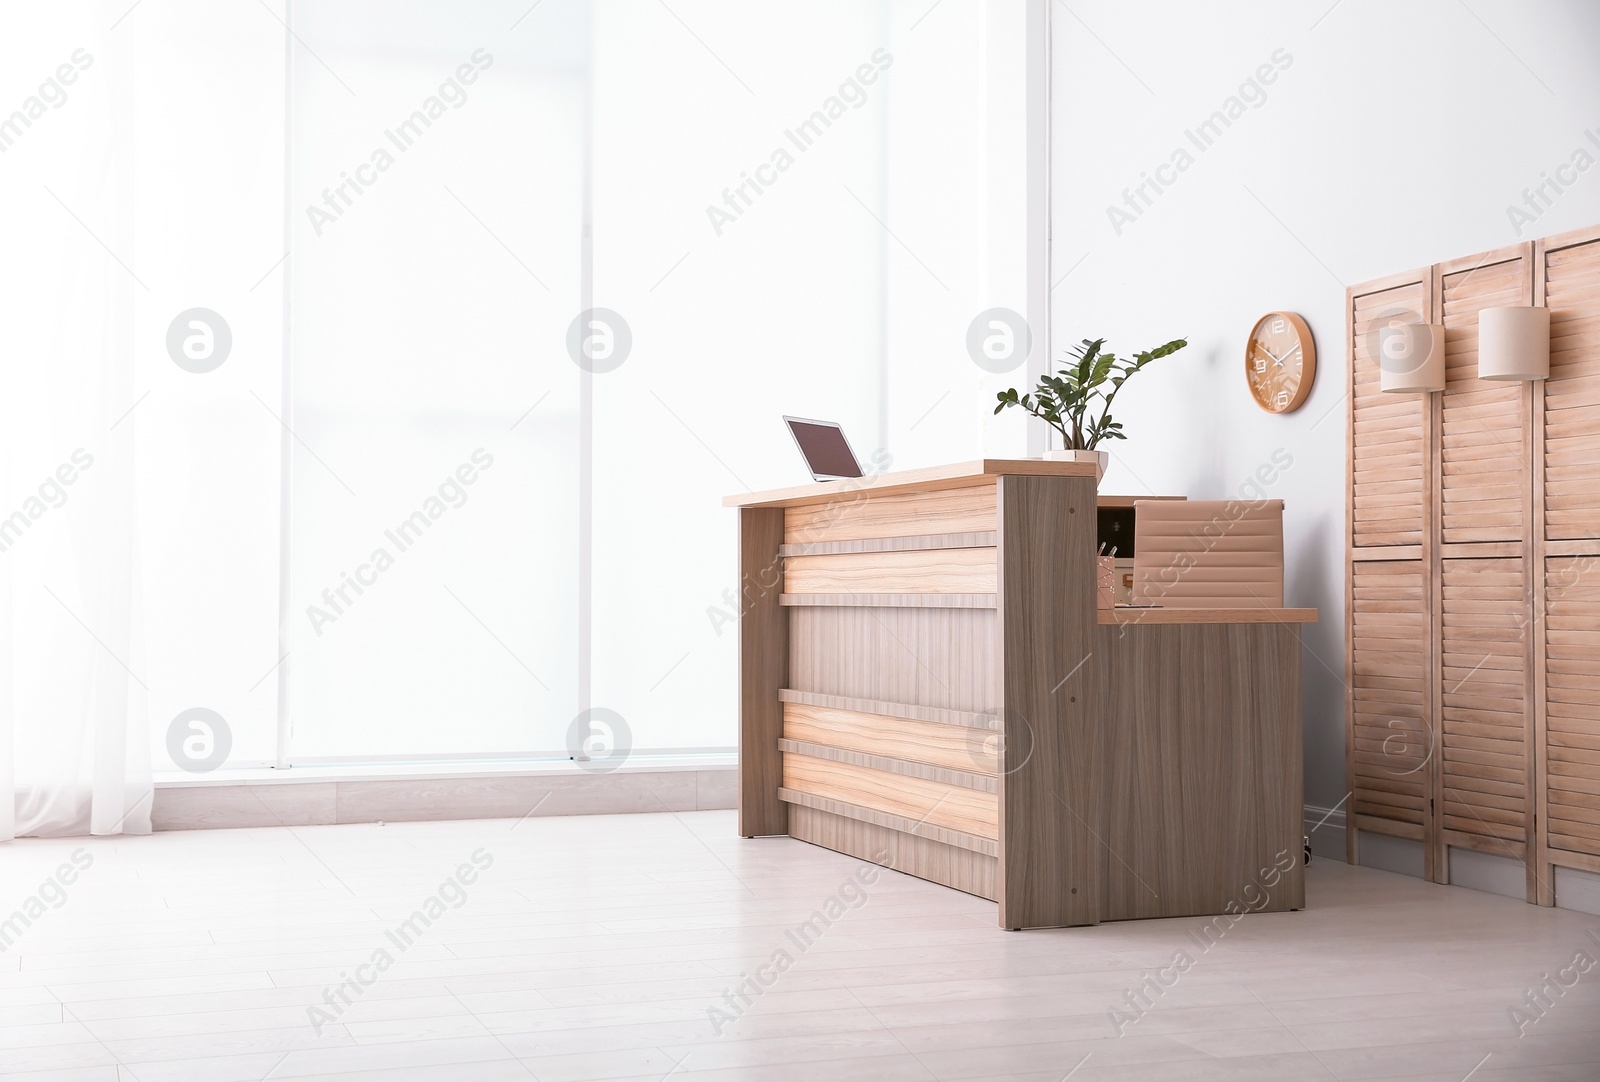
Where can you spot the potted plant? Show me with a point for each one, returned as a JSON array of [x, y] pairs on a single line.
[[1065, 401]]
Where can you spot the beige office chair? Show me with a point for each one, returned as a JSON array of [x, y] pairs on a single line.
[[1208, 554]]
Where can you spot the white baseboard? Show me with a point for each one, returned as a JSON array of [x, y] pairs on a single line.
[[1578, 890], [1402, 856], [215, 803], [1506, 876]]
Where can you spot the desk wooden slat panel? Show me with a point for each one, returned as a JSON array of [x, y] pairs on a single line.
[[939, 803], [917, 571], [945, 658], [888, 601], [966, 779], [919, 828], [939, 715], [980, 539], [955, 866], [955, 747], [858, 515]]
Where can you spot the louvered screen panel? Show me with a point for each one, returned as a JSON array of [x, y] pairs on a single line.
[[1389, 717], [1572, 728], [1387, 484], [1572, 394], [1484, 699], [1484, 462]]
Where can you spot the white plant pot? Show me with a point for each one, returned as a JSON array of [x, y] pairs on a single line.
[[1101, 459]]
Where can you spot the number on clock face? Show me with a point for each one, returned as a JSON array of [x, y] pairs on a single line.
[[1280, 362]]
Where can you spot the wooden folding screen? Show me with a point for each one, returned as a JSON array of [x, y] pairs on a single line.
[[1473, 589]]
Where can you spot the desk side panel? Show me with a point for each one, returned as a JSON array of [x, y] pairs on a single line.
[[763, 672], [1050, 793]]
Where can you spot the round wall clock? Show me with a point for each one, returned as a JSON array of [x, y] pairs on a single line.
[[1280, 362]]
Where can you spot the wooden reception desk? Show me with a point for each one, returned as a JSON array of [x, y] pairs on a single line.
[[926, 679]]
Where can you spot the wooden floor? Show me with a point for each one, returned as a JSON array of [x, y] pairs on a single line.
[[601, 946]]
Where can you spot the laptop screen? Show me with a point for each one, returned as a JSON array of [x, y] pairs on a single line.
[[825, 449]]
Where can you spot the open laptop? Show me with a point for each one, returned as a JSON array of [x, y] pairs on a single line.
[[826, 451]]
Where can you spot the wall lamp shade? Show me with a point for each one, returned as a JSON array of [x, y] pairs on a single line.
[[1514, 343], [1411, 357]]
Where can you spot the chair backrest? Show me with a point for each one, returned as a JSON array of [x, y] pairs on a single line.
[[1208, 554]]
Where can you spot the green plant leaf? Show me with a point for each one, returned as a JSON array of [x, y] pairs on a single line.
[[1090, 378]]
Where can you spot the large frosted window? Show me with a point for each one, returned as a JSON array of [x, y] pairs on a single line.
[[800, 214], [511, 295], [791, 208], [436, 205]]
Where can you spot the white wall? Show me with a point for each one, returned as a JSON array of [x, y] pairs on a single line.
[[1392, 136]]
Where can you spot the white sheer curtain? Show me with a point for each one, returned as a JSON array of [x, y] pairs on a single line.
[[74, 758], [141, 172]]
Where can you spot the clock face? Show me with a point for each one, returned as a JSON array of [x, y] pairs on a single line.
[[1280, 362]]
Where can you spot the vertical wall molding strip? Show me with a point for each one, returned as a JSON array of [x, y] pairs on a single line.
[[1040, 286], [285, 732]]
